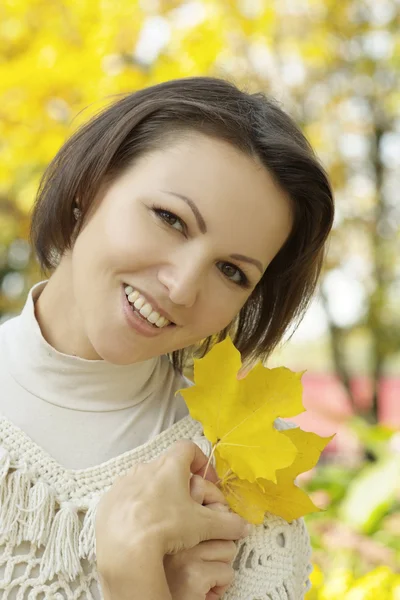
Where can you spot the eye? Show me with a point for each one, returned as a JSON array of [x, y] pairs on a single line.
[[234, 274], [170, 218]]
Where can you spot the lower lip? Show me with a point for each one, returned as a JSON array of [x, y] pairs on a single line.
[[136, 322]]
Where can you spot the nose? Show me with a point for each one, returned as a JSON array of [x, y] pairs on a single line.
[[183, 279]]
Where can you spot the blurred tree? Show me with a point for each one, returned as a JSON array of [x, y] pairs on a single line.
[[334, 65], [360, 111]]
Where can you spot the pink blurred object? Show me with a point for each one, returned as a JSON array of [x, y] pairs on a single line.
[[328, 407]]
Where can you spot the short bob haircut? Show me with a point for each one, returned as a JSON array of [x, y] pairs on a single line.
[[102, 149]]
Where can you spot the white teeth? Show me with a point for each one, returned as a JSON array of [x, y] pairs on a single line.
[[160, 322], [146, 310], [139, 303], [153, 317], [133, 296]]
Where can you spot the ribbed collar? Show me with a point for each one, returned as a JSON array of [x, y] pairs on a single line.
[[69, 381]]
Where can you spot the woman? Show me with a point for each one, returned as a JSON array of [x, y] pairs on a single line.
[[180, 214]]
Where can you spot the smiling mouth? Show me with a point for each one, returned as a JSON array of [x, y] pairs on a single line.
[[138, 314], [144, 310]]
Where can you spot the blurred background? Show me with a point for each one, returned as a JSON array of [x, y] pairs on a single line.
[[335, 67]]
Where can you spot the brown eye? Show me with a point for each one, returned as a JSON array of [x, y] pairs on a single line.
[[170, 219], [233, 273], [228, 270]]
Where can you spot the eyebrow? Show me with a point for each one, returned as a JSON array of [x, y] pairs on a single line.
[[247, 259], [200, 221], [203, 228]]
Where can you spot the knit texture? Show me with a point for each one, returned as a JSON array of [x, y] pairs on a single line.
[[47, 535]]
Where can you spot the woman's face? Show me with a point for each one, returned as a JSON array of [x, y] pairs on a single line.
[[191, 227]]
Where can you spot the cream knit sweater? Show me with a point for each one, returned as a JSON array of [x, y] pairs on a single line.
[[47, 512], [52, 477]]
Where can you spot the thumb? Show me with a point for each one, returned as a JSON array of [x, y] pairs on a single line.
[[191, 458]]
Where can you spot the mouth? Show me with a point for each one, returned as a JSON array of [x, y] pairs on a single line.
[[143, 310]]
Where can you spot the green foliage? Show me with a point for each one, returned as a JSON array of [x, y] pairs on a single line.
[[371, 495], [359, 529]]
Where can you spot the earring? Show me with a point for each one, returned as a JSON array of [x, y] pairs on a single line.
[[77, 213]]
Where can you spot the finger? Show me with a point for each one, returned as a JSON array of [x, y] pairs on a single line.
[[208, 472], [217, 574], [192, 459], [213, 494], [218, 506], [217, 550], [223, 525], [205, 492], [197, 491], [217, 592]]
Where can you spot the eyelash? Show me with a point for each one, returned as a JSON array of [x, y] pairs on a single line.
[[159, 211]]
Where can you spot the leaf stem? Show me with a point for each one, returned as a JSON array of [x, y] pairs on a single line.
[[228, 475], [210, 459]]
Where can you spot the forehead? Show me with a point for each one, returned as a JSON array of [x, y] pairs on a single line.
[[237, 196]]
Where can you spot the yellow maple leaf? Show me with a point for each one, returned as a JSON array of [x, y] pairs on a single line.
[[247, 499], [238, 415], [309, 446], [284, 498]]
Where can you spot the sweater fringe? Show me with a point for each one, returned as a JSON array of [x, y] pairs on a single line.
[[87, 538], [14, 497], [30, 512], [40, 514], [61, 552]]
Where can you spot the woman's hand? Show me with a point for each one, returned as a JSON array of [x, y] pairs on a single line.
[[205, 571], [150, 512], [201, 573]]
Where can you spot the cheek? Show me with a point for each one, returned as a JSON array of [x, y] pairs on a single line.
[[128, 240], [217, 315], [120, 237]]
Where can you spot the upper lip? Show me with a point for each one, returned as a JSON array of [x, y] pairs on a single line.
[[154, 304]]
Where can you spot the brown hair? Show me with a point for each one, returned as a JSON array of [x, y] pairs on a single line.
[[109, 143]]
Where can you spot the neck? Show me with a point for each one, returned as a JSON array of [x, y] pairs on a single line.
[[58, 317], [73, 382]]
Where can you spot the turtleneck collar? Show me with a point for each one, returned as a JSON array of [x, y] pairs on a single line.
[[72, 382]]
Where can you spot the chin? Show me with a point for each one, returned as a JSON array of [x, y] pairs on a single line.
[[116, 354]]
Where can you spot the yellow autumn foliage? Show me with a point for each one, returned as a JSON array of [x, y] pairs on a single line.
[[379, 584], [257, 464]]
